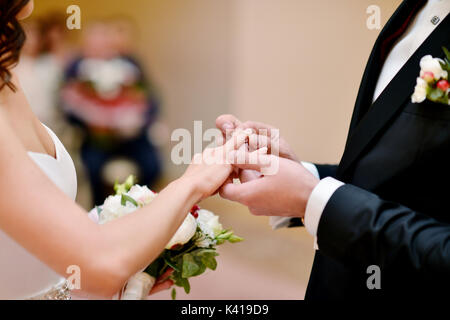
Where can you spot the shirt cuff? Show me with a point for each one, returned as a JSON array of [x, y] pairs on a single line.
[[311, 167], [279, 222], [317, 201], [283, 222]]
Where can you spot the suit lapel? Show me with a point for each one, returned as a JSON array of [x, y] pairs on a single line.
[[377, 57], [393, 97]]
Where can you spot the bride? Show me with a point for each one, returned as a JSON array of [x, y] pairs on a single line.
[[42, 230]]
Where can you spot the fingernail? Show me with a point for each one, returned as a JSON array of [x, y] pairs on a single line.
[[227, 126]]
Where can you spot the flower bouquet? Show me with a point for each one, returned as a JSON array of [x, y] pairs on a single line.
[[190, 252]]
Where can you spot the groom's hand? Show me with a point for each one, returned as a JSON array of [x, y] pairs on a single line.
[[256, 199], [284, 193]]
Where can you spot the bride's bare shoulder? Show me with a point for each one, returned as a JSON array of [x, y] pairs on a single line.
[[8, 139], [5, 126]]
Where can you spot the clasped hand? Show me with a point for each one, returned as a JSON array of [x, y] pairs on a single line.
[[272, 182], [283, 192]]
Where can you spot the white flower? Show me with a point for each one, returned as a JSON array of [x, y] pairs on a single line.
[[205, 242], [184, 233], [430, 64], [420, 91], [93, 215], [113, 209], [209, 223], [142, 194]]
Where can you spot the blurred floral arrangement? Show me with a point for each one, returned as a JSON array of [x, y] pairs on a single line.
[[107, 94]]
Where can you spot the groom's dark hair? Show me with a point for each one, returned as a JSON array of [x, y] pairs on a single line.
[[12, 38]]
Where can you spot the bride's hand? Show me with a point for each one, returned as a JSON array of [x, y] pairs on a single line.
[[209, 170]]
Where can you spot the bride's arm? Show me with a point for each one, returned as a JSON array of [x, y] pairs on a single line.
[[36, 214]]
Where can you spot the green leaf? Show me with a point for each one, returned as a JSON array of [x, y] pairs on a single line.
[[172, 264], [206, 257], [126, 186], [154, 269], [234, 239], [225, 235], [447, 53], [184, 283], [126, 198], [210, 262], [436, 94], [443, 100], [203, 251], [445, 65], [190, 266], [180, 281], [174, 294]]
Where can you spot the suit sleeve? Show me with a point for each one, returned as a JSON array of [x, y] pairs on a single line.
[[327, 170], [358, 227]]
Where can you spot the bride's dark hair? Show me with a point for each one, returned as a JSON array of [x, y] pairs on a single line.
[[12, 38]]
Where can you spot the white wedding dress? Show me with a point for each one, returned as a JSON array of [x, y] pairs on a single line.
[[23, 276]]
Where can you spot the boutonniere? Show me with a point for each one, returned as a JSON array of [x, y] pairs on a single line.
[[433, 81]]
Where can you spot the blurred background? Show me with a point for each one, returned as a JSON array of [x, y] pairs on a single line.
[[115, 90]]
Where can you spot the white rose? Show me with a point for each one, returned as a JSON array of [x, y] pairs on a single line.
[[113, 209], [184, 233], [142, 194], [430, 64], [420, 91], [209, 223]]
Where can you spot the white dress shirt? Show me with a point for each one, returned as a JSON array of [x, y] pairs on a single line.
[[421, 27]]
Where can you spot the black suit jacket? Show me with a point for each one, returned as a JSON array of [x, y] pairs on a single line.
[[394, 210]]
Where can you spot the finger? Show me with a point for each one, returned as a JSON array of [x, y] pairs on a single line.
[[256, 160], [256, 141], [232, 191], [236, 141], [161, 287], [244, 193], [259, 212], [227, 122], [259, 127], [249, 175]]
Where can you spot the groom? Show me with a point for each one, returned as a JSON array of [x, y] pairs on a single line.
[[381, 217]]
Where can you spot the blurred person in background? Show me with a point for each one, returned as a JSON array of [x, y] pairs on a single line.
[[123, 36], [29, 73], [57, 52], [107, 94], [41, 68]]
